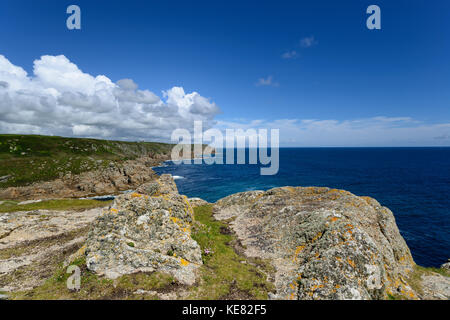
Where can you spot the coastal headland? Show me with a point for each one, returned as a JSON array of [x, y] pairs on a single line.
[[150, 242]]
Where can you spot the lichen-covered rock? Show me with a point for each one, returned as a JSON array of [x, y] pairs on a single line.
[[145, 232], [446, 265], [197, 202], [435, 286], [324, 243], [164, 185], [106, 180], [33, 242]]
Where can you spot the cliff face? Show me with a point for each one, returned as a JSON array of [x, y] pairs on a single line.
[[44, 167], [325, 243], [295, 243], [108, 180]]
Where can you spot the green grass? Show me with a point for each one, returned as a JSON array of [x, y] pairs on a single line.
[[31, 158], [59, 204], [94, 287], [415, 278], [443, 272], [226, 274]]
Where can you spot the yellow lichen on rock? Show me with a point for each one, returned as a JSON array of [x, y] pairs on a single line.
[[184, 262]]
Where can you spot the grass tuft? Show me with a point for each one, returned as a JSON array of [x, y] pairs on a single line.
[[226, 274], [59, 204], [94, 287], [415, 278]]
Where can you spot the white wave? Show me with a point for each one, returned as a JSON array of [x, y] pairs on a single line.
[[177, 177]]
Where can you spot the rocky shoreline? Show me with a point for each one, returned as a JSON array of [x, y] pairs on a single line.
[[321, 243], [325, 244], [115, 177]]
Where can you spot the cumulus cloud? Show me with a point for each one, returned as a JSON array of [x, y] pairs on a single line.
[[61, 99], [371, 132], [268, 82]]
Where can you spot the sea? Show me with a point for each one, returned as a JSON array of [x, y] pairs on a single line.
[[413, 182]]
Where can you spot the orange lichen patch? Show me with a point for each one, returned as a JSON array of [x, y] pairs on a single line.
[[337, 191], [174, 219], [184, 262], [291, 189], [188, 207], [187, 230], [316, 237], [337, 286], [367, 199], [299, 277], [256, 198], [349, 229], [314, 288], [297, 252], [114, 210], [351, 262], [81, 251], [191, 211], [136, 195], [333, 219]]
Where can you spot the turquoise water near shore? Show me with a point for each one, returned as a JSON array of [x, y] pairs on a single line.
[[413, 182]]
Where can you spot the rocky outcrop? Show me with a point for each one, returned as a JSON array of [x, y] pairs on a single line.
[[324, 243], [197, 202], [145, 231], [111, 179], [33, 243], [434, 286], [446, 265]]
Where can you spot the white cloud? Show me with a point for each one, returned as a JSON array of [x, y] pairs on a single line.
[[371, 132], [61, 99], [308, 42], [267, 82], [290, 54]]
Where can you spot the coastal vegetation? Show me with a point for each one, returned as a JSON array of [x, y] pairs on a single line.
[[25, 159], [57, 204], [287, 228], [225, 273]]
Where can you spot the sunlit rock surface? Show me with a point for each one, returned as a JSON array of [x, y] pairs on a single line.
[[145, 232], [325, 243]]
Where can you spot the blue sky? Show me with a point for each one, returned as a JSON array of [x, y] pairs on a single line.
[[284, 63]]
